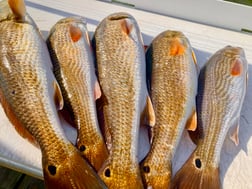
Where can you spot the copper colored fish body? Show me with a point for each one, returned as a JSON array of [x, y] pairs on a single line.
[[73, 63], [222, 87], [173, 80], [121, 72], [31, 96]]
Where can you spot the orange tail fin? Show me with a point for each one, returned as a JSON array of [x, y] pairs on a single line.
[[73, 172], [195, 175]]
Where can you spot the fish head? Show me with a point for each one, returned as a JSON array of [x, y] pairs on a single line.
[[120, 28], [234, 60], [118, 176], [74, 29], [69, 170], [155, 175], [174, 45]]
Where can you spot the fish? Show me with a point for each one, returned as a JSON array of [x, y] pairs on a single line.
[[221, 92], [73, 66], [121, 70], [173, 81], [31, 98]]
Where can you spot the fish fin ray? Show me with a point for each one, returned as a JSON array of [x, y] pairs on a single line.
[[58, 98], [191, 123], [97, 90], [234, 134], [191, 176], [18, 8], [151, 119]]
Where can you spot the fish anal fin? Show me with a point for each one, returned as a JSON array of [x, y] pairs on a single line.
[[97, 90], [191, 123], [148, 115], [195, 174], [234, 135], [21, 130], [18, 8], [58, 98]]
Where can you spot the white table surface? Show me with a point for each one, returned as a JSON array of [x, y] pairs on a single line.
[[236, 161]]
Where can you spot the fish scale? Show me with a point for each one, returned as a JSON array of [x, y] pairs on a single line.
[[221, 91], [30, 96], [173, 88], [73, 62], [121, 73]]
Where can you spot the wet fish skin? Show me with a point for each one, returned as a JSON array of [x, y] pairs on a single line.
[[173, 80], [73, 62], [222, 87], [30, 96], [121, 73]]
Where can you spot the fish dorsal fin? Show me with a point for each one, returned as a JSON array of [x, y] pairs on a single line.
[[191, 123], [234, 134], [18, 8], [148, 115], [58, 98], [97, 90], [75, 33]]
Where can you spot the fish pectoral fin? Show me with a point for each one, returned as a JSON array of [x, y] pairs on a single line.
[[191, 123], [234, 135], [97, 90], [75, 33], [148, 116], [18, 8], [58, 98]]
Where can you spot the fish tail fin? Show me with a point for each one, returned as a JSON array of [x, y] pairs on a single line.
[[195, 175], [73, 172]]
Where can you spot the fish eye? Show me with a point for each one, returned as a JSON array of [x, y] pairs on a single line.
[[107, 172], [146, 169], [52, 169], [82, 148], [198, 163]]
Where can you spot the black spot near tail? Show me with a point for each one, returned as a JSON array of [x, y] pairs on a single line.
[[52, 169], [107, 172]]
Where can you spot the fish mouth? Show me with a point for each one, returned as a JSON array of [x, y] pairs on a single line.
[[118, 16], [234, 52], [76, 19]]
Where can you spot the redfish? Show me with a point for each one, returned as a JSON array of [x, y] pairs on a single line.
[[121, 71], [30, 96], [173, 79], [73, 63], [221, 91]]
